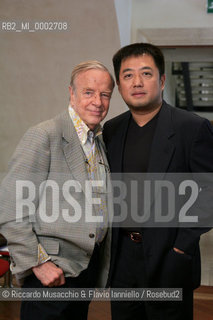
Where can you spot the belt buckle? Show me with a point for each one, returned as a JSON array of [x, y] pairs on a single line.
[[133, 236]]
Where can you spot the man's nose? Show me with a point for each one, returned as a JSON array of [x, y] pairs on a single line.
[[97, 100], [137, 81]]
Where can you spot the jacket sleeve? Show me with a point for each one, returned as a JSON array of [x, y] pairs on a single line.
[[28, 167], [201, 165]]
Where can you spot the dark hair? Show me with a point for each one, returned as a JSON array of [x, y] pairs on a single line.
[[138, 49]]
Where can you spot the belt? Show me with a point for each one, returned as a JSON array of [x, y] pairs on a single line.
[[134, 236]]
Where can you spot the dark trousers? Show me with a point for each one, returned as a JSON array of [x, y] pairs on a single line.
[[130, 272], [61, 310]]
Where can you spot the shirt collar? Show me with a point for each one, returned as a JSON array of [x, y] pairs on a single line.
[[81, 128]]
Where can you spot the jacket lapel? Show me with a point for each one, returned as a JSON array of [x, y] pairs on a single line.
[[115, 154], [116, 148], [162, 148], [162, 151], [73, 152]]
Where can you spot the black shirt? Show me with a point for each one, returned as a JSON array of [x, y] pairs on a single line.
[[135, 162], [138, 145]]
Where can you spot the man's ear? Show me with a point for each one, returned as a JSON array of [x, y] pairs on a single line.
[[162, 80], [72, 94], [118, 84]]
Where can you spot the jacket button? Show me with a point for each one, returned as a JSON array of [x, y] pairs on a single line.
[[91, 235]]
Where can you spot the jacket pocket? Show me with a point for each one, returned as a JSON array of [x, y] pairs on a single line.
[[176, 270], [51, 245]]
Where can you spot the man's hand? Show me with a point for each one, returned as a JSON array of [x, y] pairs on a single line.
[[178, 251], [49, 274]]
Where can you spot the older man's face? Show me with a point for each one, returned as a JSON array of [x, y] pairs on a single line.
[[91, 95]]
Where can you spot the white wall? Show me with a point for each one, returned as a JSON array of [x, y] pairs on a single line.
[[169, 14], [124, 15]]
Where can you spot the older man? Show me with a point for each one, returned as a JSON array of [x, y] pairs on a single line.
[[47, 207]]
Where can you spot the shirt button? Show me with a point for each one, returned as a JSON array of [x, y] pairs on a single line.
[[91, 235], [12, 261]]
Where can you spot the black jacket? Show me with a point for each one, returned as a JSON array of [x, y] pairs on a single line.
[[183, 142]]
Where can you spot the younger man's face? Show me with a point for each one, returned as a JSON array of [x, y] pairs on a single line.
[[140, 83]]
